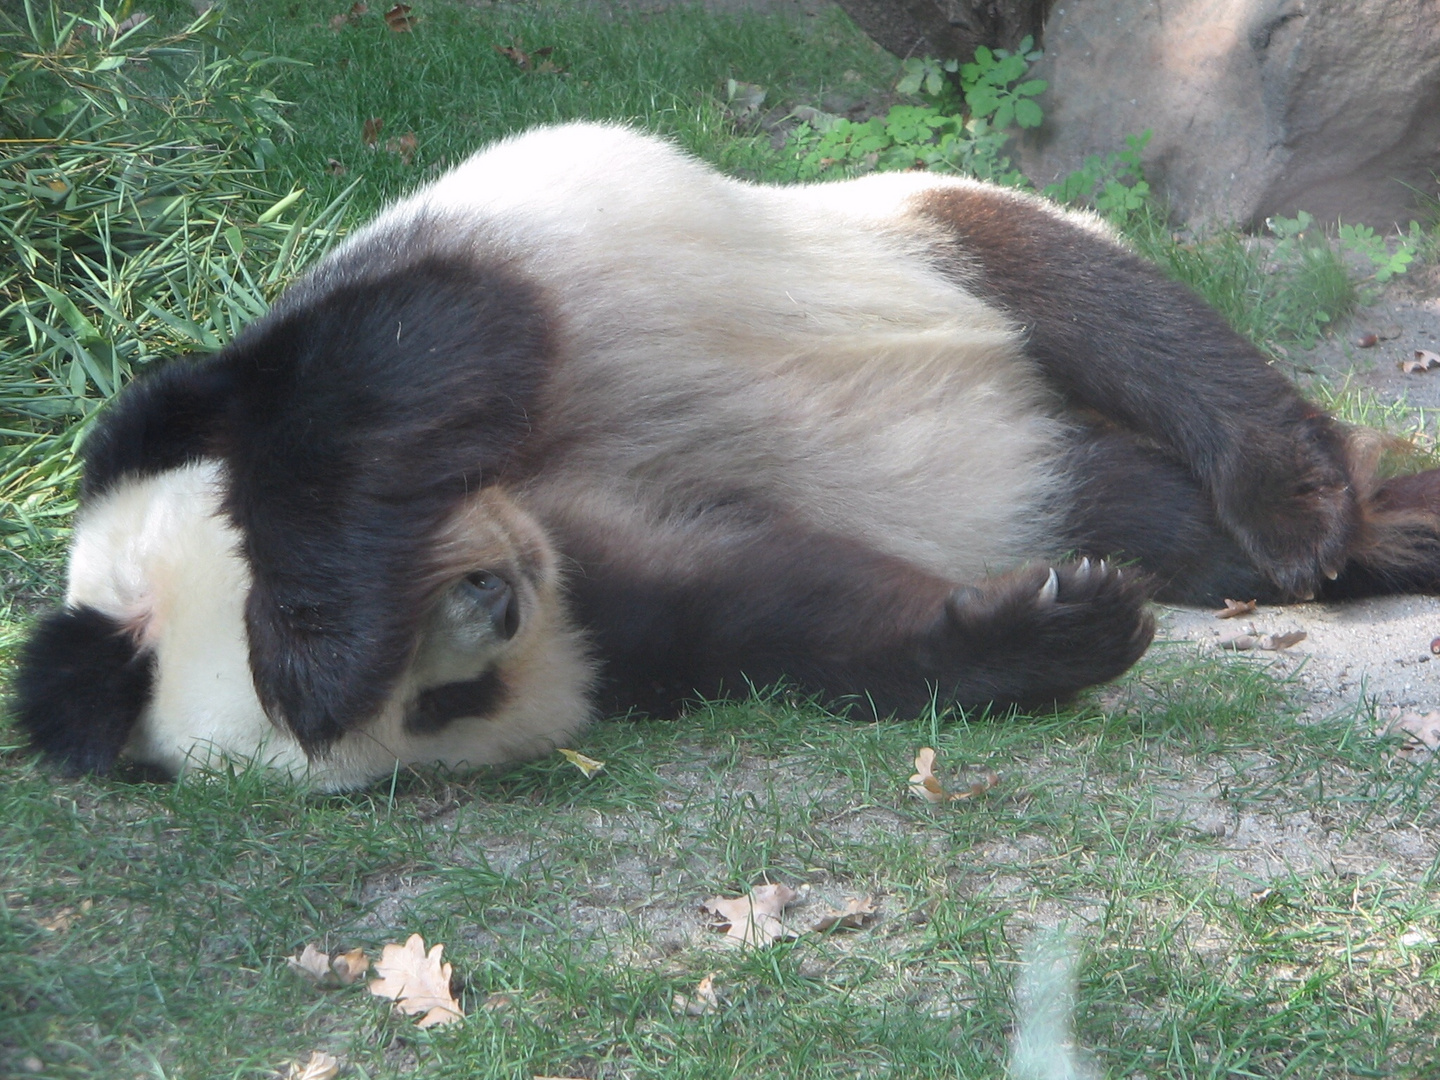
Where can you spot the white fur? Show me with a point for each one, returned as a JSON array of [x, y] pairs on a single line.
[[793, 338]]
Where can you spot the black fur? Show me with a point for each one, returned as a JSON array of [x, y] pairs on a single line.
[[81, 686], [165, 419], [1134, 502], [437, 707], [1115, 335], [351, 420]]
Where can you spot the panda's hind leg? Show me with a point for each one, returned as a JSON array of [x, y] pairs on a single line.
[[1036, 635], [707, 611]]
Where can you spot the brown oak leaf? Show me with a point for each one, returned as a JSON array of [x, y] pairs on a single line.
[[343, 969], [417, 982], [321, 1066], [1249, 639], [1424, 361], [537, 60], [926, 785], [311, 964], [370, 131], [757, 918], [403, 146], [399, 19], [856, 913], [1235, 608], [1419, 732], [349, 18], [703, 1002]]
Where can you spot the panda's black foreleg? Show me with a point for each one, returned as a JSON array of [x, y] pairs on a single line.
[[1129, 500], [842, 621], [1116, 336]]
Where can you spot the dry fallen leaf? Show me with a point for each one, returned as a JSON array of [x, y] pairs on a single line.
[[1243, 642], [1235, 608], [755, 918], [320, 968], [1282, 641], [856, 913], [1424, 361], [536, 60], [348, 967], [926, 785], [334, 167], [311, 964], [357, 10], [1420, 733], [321, 1066], [744, 99], [403, 145], [66, 917], [587, 765], [370, 132], [1367, 341], [417, 982], [703, 1002], [399, 19]]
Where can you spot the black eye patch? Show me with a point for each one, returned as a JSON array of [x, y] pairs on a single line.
[[437, 707], [81, 687]]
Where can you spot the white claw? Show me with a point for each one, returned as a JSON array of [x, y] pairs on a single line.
[[1103, 568], [1083, 570], [1332, 574], [1050, 591]]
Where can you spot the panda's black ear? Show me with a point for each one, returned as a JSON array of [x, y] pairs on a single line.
[[165, 419], [80, 689]]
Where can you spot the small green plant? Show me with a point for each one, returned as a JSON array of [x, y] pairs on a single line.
[[1298, 235], [964, 132], [992, 90], [927, 75], [1363, 240], [1113, 185]]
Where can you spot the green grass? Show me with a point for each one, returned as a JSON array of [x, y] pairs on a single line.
[[571, 906], [445, 82], [1250, 895]]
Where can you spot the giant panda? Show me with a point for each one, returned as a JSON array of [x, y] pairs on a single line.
[[585, 426]]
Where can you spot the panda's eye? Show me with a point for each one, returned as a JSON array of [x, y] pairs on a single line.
[[494, 600], [485, 582]]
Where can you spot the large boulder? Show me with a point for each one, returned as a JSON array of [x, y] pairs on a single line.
[[1257, 107]]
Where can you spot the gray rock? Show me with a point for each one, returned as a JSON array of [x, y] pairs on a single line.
[[1258, 107]]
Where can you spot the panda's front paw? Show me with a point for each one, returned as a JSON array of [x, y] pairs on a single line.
[[1040, 634], [1292, 506]]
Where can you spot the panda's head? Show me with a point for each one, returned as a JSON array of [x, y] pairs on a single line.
[[300, 551], [150, 658]]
